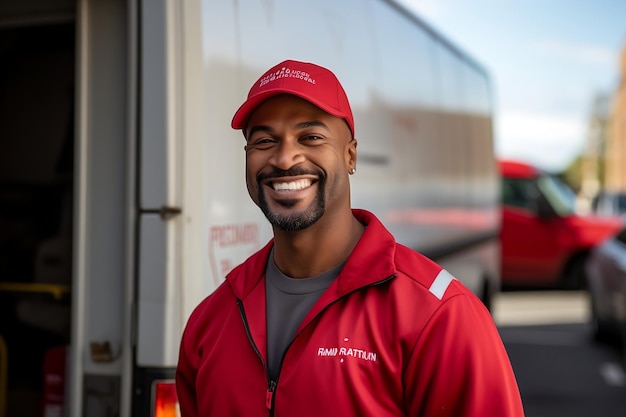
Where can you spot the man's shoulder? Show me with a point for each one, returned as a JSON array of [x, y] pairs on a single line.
[[430, 276], [415, 265]]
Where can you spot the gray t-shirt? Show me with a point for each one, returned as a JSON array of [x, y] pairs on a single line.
[[288, 302]]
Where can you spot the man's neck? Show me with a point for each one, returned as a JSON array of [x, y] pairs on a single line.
[[317, 249]]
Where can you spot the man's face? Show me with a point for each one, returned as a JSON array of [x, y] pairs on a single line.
[[297, 162]]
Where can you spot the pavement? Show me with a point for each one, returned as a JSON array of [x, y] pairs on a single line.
[[519, 308]]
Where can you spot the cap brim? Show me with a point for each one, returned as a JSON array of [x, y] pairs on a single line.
[[241, 116]]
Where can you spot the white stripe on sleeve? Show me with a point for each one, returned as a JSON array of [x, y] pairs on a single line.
[[441, 283]]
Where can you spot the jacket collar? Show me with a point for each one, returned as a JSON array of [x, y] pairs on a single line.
[[371, 261]]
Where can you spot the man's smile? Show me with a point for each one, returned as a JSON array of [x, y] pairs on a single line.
[[289, 191], [291, 185]]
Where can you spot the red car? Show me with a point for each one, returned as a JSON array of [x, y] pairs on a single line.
[[544, 242]]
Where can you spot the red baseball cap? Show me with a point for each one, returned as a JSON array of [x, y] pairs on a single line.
[[311, 82]]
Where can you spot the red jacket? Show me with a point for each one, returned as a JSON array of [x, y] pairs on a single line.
[[393, 335]]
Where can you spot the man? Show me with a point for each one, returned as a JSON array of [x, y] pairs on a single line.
[[332, 317]]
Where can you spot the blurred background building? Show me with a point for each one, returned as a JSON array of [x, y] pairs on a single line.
[[599, 175], [592, 162], [615, 169]]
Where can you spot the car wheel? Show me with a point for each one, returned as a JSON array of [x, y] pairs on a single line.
[[486, 296], [575, 277], [622, 342], [599, 327]]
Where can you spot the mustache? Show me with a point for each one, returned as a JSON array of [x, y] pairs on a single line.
[[292, 172]]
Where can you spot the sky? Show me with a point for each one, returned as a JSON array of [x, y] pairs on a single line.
[[548, 61]]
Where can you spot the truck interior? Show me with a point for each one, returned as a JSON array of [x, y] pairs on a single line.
[[37, 77]]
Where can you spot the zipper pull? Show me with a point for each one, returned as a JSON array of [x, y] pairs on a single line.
[[269, 394]]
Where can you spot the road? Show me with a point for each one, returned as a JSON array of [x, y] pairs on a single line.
[[561, 372]]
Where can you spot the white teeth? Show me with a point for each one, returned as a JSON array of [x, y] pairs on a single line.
[[291, 186]]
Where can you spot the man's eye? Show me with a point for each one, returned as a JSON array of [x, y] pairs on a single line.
[[312, 137], [261, 142]]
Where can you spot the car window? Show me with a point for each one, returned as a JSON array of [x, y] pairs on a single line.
[[621, 203], [609, 204], [621, 236], [519, 192]]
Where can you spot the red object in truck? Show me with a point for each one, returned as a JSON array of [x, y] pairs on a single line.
[[54, 377]]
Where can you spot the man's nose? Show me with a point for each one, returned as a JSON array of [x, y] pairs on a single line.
[[287, 154]]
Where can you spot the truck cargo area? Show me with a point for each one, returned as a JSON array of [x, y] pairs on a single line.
[[36, 198]]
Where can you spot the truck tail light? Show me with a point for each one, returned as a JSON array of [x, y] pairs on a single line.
[[165, 399]]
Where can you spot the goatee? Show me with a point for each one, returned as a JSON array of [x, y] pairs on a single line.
[[295, 221]]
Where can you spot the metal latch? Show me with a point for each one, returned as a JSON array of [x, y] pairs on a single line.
[[165, 212]]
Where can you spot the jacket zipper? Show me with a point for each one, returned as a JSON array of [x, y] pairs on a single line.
[[271, 384]]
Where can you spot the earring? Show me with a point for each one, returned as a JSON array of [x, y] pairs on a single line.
[[352, 171]]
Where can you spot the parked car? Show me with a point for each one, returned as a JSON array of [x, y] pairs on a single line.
[[606, 275], [609, 203], [544, 242]]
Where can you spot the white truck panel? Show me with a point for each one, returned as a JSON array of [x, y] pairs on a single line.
[[161, 108], [100, 275], [159, 302]]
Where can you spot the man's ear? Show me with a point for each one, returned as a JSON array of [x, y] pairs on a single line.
[[351, 154]]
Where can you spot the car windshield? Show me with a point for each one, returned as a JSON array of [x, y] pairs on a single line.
[[559, 195]]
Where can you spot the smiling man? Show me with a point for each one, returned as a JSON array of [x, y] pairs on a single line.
[[332, 317]]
